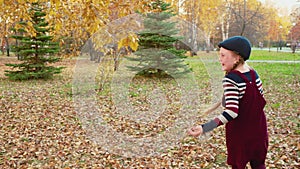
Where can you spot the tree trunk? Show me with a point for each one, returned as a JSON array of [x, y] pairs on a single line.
[[208, 43], [244, 19], [7, 45]]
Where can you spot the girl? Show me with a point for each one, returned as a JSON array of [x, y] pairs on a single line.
[[243, 102]]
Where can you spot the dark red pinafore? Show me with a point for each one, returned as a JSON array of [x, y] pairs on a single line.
[[247, 136]]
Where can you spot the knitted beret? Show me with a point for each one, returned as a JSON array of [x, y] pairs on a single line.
[[239, 44]]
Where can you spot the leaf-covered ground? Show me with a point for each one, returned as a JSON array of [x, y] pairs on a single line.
[[39, 127]]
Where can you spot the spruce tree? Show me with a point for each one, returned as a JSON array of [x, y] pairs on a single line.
[[156, 53], [35, 51]]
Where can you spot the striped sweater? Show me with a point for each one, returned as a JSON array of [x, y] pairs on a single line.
[[234, 88]]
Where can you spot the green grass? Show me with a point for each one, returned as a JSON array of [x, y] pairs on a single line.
[[278, 69], [278, 73], [273, 55]]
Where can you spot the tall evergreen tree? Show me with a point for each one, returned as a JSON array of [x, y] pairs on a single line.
[[35, 51], [157, 53]]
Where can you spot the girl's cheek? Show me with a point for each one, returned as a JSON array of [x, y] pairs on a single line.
[[221, 58]]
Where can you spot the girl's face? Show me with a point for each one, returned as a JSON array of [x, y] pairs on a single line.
[[227, 59]]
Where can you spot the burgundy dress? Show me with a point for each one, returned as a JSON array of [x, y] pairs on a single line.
[[246, 136]]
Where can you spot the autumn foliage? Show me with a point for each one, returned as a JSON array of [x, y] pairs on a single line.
[[75, 21], [40, 125]]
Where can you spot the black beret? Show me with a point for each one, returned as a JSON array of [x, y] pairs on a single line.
[[239, 44]]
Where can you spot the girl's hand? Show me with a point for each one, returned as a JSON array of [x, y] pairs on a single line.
[[195, 131]]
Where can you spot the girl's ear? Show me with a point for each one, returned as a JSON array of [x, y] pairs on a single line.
[[238, 57]]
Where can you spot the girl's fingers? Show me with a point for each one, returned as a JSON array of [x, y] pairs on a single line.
[[193, 132], [190, 131], [196, 128]]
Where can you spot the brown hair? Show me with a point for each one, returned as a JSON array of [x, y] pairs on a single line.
[[241, 61]]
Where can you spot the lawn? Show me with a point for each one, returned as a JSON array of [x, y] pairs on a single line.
[[273, 55], [40, 128]]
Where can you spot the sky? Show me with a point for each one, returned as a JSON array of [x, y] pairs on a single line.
[[286, 5]]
